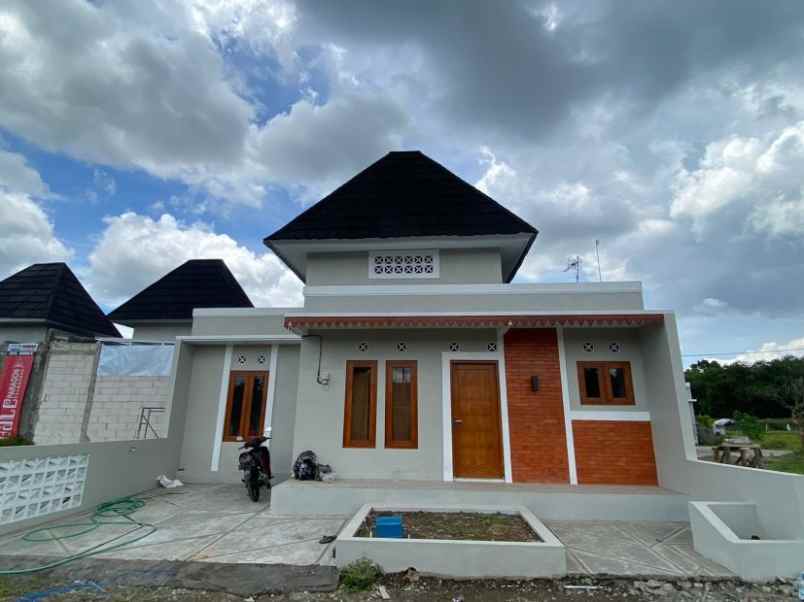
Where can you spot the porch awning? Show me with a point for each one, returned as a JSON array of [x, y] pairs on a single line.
[[303, 323]]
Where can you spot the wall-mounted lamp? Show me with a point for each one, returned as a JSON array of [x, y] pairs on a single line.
[[534, 383]]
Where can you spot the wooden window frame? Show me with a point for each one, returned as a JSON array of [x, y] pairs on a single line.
[[413, 442], [347, 411], [249, 376], [604, 384]]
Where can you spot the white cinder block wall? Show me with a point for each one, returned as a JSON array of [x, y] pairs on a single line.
[[116, 400], [65, 390]]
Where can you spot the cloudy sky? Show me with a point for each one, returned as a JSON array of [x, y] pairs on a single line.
[[137, 134]]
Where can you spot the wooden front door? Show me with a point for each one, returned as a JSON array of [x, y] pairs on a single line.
[[477, 450]]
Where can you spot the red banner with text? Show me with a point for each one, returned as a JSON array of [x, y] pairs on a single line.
[[13, 384]]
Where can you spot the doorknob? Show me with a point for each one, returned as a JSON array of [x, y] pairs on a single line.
[[457, 421]]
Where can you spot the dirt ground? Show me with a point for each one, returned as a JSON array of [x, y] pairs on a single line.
[[412, 588], [457, 526]]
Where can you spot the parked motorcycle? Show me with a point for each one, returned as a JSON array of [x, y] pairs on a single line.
[[255, 463]]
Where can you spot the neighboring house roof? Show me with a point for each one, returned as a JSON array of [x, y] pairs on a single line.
[[404, 194], [195, 283], [50, 293]]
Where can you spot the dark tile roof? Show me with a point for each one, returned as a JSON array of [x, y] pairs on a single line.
[[195, 283], [403, 194], [51, 292]]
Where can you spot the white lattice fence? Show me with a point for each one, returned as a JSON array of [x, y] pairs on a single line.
[[39, 486]]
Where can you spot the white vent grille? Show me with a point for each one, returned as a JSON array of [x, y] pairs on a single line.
[[454, 346], [40, 486], [403, 264], [401, 347], [362, 347], [615, 347], [588, 347]]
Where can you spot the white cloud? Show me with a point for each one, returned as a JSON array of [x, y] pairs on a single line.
[[322, 146], [26, 234], [771, 351], [146, 85], [135, 250], [16, 175], [127, 84], [761, 179], [264, 27]]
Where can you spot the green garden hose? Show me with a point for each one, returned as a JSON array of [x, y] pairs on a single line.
[[116, 512]]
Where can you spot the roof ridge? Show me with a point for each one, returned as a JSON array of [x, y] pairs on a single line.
[[500, 205], [57, 286], [324, 198]]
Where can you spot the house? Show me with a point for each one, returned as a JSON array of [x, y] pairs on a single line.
[[425, 377], [164, 309], [45, 299], [416, 358]]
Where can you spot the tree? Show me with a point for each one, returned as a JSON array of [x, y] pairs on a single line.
[[795, 402], [759, 389]]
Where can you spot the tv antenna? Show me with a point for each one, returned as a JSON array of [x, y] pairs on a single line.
[[597, 255], [574, 263]]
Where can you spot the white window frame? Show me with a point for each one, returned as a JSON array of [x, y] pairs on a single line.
[[434, 274]]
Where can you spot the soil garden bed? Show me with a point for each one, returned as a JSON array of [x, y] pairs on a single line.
[[455, 526]]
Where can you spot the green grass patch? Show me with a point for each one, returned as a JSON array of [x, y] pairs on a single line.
[[793, 463], [17, 440], [360, 575], [12, 588], [782, 440]]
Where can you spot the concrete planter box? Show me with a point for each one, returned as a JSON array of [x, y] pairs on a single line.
[[448, 558], [722, 531]]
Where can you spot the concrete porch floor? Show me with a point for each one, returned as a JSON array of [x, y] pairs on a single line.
[[219, 524], [206, 523]]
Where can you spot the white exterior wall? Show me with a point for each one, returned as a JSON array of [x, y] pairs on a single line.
[[205, 457], [240, 321], [161, 332], [22, 334], [65, 391], [426, 296], [117, 402], [320, 408], [630, 351], [456, 266]]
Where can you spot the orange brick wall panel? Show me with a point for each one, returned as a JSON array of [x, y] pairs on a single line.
[[536, 419], [614, 452]]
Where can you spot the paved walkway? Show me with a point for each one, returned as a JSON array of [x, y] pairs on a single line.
[[206, 523], [220, 524], [633, 549]]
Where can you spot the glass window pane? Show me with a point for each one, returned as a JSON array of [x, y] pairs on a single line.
[[401, 375], [617, 379], [592, 381], [236, 413], [254, 424], [401, 399], [361, 404]]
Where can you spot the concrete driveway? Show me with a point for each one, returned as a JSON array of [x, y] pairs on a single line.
[[220, 524], [207, 523]]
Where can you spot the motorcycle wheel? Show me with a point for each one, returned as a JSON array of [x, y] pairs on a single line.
[[253, 487]]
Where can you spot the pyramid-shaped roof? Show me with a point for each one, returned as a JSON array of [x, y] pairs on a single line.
[[195, 283], [50, 293], [403, 194]]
